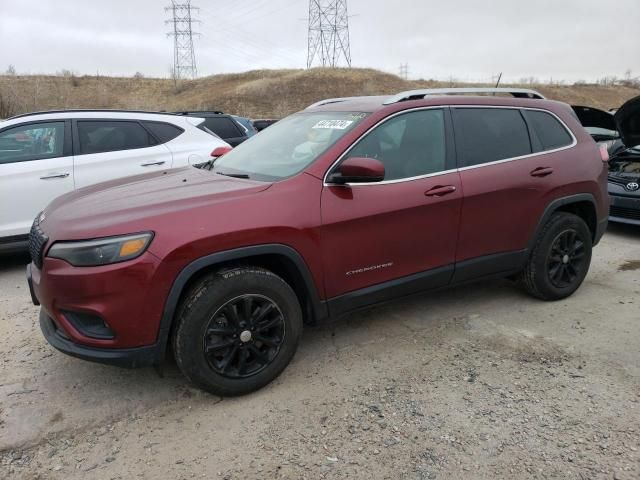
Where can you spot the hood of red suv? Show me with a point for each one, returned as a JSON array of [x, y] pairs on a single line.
[[133, 203]]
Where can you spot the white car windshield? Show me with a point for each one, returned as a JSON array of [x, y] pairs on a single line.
[[287, 147]]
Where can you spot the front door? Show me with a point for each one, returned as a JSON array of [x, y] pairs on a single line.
[[36, 166], [399, 235]]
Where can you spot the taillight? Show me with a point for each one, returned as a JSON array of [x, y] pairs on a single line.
[[604, 153]]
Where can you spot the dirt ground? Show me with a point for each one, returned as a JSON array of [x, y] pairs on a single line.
[[475, 382]]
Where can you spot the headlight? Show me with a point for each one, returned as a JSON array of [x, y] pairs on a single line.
[[102, 251]]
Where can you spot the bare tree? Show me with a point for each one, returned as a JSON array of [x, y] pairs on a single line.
[[8, 105], [11, 71]]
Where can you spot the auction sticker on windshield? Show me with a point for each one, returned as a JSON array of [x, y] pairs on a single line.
[[333, 124]]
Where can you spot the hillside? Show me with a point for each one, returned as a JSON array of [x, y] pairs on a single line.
[[259, 93]]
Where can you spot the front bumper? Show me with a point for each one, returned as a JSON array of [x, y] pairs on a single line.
[[122, 357], [625, 209], [127, 298]]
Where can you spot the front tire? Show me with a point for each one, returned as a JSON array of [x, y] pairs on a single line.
[[237, 330], [560, 259]]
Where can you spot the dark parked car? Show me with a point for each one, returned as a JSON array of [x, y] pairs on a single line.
[[247, 124], [223, 125], [349, 203], [263, 123], [620, 132]]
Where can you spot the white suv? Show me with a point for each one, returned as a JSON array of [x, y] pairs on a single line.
[[46, 154]]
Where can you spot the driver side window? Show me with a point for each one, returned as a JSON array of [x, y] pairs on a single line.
[[409, 145], [34, 141]]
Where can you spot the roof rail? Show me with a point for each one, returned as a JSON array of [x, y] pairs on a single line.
[[191, 112], [87, 110], [417, 94], [327, 101]]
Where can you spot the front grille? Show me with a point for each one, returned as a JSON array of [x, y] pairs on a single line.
[[630, 213], [37, 241]]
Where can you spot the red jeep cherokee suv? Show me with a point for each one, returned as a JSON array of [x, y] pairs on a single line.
[[346, 204]]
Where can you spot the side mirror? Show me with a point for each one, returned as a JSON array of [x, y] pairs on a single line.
[[358, 170], [220, 151]]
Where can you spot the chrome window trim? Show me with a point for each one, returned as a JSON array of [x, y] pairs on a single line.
[[574, 142], [384, 182]]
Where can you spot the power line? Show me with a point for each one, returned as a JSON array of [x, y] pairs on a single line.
[[184, 57], [328, 35], [260, 47]]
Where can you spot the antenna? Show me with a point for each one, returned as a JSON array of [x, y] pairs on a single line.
[[328, 36], [184, 57]]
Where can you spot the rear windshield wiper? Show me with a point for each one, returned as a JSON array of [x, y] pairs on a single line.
[[234, 175]]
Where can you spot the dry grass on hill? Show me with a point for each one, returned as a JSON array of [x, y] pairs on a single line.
[[258, 93]]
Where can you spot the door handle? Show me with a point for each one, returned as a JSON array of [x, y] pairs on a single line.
[[54, 175], [439, 190], [541, 172], [152, 164]]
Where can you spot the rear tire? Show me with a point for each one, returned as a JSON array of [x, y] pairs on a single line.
[[560, 258], [237, 330]]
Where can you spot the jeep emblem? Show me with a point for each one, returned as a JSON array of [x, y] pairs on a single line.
[[633, 186]]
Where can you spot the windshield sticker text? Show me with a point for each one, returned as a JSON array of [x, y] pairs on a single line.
[[333, 124]]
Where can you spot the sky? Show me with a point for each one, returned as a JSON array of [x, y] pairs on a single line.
[[469, 40]]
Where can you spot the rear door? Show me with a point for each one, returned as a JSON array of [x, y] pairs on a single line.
[[36, 166], [108, 149], [510, 166]]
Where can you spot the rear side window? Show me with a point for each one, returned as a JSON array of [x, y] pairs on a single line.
[[224, 127], [35, 141], [550, 133], [485, 135], [109, 136], [164, 132]]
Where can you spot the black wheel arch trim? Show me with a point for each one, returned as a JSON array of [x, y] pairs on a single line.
[[319, 309], [556, 204]]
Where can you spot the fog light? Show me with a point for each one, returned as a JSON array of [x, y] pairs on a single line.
[[89, 325]]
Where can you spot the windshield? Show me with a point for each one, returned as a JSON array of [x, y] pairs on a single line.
[[287, 147]]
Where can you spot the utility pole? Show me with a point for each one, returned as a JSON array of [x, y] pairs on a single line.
[[499, 78], [181, 22], [328, 35], [404, 71]]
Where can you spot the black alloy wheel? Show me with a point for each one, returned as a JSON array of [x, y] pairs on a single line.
[[244, 336], [560, 258], [236, 329], [566, 258]]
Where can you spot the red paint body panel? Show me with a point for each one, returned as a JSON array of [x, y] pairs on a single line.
[[394, 225], [127, 296], [336, 230]]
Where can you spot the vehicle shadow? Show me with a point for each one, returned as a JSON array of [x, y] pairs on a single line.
[[10, 261], [631, 232]]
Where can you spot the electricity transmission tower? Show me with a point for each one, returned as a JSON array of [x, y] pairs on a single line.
[[184, 57], [404, 71], [328, 33]]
